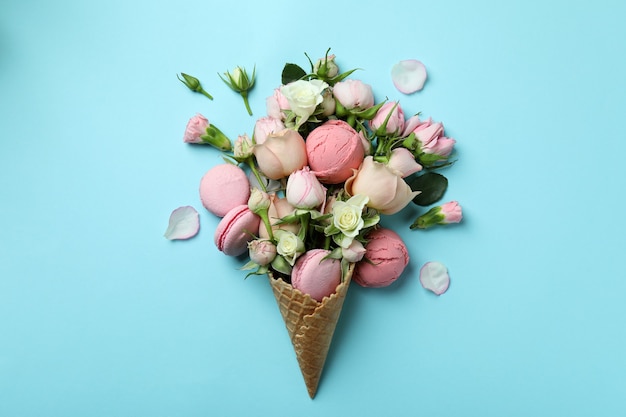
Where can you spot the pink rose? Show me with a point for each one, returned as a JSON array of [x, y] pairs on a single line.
[[403, 161], [264, 126], [196, 127], [354, 94], [354, 252], [304, 191], [334, 150], [395, 124], [279, 208], [432, 139], [275, 104], [387, 191], [281, 154], [452, 212], [261, 251]]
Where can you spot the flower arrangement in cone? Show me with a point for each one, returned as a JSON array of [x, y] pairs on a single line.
[[303, 196]]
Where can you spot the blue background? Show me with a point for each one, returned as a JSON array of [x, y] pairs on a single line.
[[102, 316]]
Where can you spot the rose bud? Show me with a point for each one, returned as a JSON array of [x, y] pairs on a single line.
[[334, 150], [445, 214], [354, 252], [304, 190], [243, 147], [354, 94], [281, 154], [258, 201], [389, 120], [196, 127], [387, 191], [326, 67], [261, 251], [276, 104]]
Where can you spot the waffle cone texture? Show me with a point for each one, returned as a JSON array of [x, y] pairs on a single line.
[[310, 324]]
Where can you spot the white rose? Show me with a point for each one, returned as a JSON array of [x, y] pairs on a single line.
[[289, 245], [347, 217], [304, 96]]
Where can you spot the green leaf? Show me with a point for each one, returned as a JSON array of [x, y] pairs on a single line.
[[292, 72], [432, 187]]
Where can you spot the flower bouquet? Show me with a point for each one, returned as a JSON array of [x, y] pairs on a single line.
[[304, 195]]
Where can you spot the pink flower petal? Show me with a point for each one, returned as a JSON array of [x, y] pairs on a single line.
[[184, 223], [408, 76], [434, 277]]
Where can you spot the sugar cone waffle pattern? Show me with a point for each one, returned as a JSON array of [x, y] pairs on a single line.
[[310, 325]]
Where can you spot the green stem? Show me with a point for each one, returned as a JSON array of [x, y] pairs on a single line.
[[250, 162], [268, 226], [244, 94], [327, 243], [202, 91]]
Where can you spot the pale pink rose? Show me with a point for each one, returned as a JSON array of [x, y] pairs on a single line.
[[261, 251], [395, 124], [354, 94], [276, 104], [304, 190], [281, 154], [196, 127], [387, 191], [367, 145], [403, 161], [334, 149], [264, 126], [242, 147], [452, 212], [432, 139], [279, 208], [354, 252], [410, 124]]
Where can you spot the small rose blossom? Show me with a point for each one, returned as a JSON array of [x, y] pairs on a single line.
[[326, 67], [196, 127], [447, 213], [258, 200], [261, 251], [387, 191], [276, 104], [265, 126], [347, 217], [281, 154], [395, 124], [354, 252], [328, 104], [452, 212], [304, 97], [354, 94], [243, 147], [304, 190], [403, 161], [431, 137], [289, 246]]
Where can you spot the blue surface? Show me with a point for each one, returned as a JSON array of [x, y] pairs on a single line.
[[102, 316]]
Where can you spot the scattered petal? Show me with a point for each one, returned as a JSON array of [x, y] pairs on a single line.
[[434, 277], [184, 223], [408, 76]]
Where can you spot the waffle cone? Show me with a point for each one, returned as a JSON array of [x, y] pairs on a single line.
[[310, 325]]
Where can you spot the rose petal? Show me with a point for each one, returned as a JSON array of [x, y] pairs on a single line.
[[408, 76], [434, 277], [184, 223]]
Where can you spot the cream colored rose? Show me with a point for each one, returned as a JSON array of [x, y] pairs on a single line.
[[289, 246], [387, 191], [347, 216], [304, 96]]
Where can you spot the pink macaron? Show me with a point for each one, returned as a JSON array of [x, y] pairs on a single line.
[[235, 230], [314, 276], [224, 187], [387, 255]]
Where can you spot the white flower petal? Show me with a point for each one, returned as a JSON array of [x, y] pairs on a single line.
[[434, 277], [408, 76], [184, 223]]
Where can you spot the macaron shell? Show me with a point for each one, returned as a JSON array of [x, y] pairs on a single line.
[[388, 255], [224, 187], [235, 230], [315, 277]]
